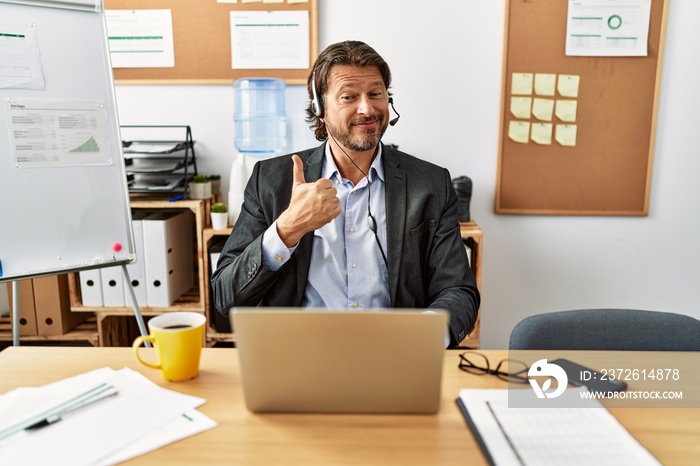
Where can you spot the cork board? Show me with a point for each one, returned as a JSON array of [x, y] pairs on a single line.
[[202, 42], [608, 170]]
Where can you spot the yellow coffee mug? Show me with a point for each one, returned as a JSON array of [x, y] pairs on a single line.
[[177, 338]]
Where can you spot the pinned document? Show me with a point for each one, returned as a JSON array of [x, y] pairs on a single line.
[[542, 133], [566, 135], [545, 84], [521, 84], [565, 110], [519, 131], [520, 107], [568, 84], [543, 109]]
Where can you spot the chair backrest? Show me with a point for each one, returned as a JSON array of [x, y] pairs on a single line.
[[607, 329]]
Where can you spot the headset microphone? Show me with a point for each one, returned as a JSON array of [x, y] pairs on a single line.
[[395, 120]]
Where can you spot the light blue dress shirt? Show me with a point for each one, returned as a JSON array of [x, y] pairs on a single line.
[[347, 270]]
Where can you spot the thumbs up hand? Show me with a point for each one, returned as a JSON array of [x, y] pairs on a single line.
[[312, 206]]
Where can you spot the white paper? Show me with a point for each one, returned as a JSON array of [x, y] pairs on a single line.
[[141, 417], [140, 38], [585, 435], [608, 28], [269, 39], [57, 132], [20, 60]]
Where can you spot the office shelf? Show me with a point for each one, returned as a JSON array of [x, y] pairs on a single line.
[[116, 326], [84, 333]]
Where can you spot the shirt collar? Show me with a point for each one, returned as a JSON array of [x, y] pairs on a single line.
[[330, 169]]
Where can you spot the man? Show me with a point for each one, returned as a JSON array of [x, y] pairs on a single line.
[[352, 224]]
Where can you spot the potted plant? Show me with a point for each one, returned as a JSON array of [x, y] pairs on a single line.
[[215, 183], [200, 187], [219, 216]]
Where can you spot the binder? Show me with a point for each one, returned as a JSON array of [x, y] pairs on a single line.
[[27, 314], [168, 249], [137, 270], [91, 288], [52, 301], [112, 286]]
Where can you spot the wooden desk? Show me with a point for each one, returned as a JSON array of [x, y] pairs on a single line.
[[672, 435]]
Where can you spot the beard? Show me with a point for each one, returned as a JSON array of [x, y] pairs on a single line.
[[359, 143]]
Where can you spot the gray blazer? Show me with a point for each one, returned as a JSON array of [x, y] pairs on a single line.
[[428, 265]]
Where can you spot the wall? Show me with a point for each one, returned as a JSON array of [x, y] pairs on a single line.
[[446, 61]]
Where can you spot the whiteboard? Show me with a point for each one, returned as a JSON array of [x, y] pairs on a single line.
[[64, 203]]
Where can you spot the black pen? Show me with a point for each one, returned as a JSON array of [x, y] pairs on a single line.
[[53, 415]]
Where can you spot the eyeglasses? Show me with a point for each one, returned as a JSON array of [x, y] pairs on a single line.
[[509, 370]]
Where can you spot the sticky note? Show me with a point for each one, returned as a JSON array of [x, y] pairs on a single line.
[[567, 85], [521, 84], [519, 131], [566, 110], [520, 107], [542, 133], [566, 135], [543, 109], [545, 83]]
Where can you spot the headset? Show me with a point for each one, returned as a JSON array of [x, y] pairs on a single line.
[[317, 104]]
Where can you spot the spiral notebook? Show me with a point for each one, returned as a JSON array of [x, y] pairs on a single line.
[[585, 435]]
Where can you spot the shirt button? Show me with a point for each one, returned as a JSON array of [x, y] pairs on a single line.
[[354, 192], [354, 265], [278, 258], [352, 229], [355, 305]]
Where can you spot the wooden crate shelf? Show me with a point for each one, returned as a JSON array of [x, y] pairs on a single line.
[[85, 332]]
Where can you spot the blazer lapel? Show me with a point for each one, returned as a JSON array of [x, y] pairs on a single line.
[[312, 172], [395, 202]]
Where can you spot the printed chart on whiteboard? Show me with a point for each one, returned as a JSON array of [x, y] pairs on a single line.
[[57, 132]]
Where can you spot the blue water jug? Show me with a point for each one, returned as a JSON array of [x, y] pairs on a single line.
[[260, 121]]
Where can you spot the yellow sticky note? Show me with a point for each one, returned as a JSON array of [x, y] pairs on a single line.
[[297, 1], [520, 107], [545, 83], [566, 135], [519, 131], [566, 110], [542, 133], [543, 109], [521, 84], [273, 1], [567, 85], [251, 1]]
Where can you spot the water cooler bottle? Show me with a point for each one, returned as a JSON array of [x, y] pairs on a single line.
[[260, 125]]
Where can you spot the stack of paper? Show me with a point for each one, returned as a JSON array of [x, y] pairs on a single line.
[[141, 417]]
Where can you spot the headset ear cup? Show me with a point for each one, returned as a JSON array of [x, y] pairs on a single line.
[[316, 102]]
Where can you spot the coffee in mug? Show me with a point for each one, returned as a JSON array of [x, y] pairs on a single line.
[[177, 338]]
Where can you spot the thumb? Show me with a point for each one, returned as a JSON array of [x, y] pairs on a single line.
[[298, 170]]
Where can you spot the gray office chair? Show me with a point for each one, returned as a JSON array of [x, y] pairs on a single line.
[[607, 329]]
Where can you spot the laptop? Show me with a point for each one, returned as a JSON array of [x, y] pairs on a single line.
[[321, 361]]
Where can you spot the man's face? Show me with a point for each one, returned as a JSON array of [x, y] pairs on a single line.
[[356, 106]]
